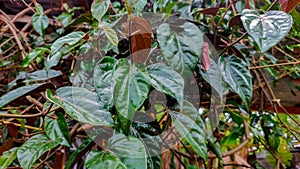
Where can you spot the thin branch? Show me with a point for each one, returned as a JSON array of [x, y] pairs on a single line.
[[275, 65]]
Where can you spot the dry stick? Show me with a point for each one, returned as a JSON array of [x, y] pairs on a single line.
[[5, 18], [277, 101], [20, 14], [278, 161], [34, 101], [20, 125], [21, 116], [275, 65], [288, 55], [28, 6], [47, 158]]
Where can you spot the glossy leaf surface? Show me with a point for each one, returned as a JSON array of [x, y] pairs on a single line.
[[237, 76], [81, 104], [60, 46], [14, 94], [181, 48], [58, 129], [129, 149], [103, 81], [191, 127], [100, 159], [131, 90], [8, 157], [166, 80], [267, 29], [39, 20], [33, 148], [99, 9]]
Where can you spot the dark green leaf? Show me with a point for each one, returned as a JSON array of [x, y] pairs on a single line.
[[40, 20], [58, 128], [274, 141], [60, 46], [14, 94], [181, 50], [215, 147], [81, 104], [237, 76], [214, 77], [131, 90], [42, 75], [148, 130], [191, 127], [166, 80], [8, 157], [100, 159], [37, 52], [78, 152], [103, 81], [64, 18], [99, 9], [268, 29], [33, 148], [129, 149]]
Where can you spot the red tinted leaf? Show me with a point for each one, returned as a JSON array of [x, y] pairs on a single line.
[[210, 11], [141, 40], [12, 130], [205, 56], [236, 21], [8, 144], [288, 5]]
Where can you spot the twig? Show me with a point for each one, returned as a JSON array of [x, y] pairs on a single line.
[[282, 51], [20, 125], [275, 65], [272, 5], [21, 116]]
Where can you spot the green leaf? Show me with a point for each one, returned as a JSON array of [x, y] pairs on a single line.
[[58, 128], [39, 20], [140, 5], [8, 157], [81, 104], [42, 75], [237, 76], [131, 90], [275, 74], [166, 80], [99, 9], [14, 94], [267, 29], [37, 52], [181, 50], [274, 141], [214, 77], [149, 132], [215, 147], [78, 152], [100, 159], [103, 81], [60, 46], [111, 35], [122, 147], [33, 148], [191, 127]]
